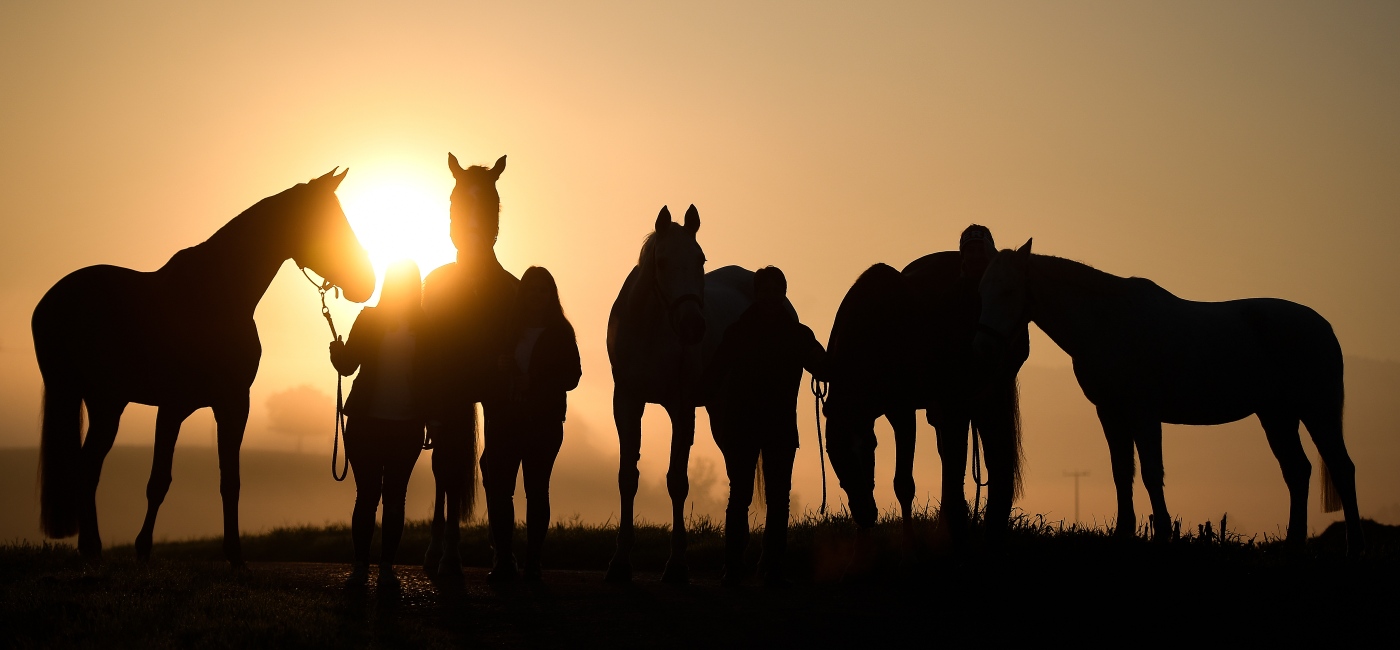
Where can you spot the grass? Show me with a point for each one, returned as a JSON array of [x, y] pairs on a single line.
[[1046, 579]]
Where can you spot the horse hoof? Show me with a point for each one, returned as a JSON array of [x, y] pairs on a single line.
[[676, 573], [432, 558], [619, 573]]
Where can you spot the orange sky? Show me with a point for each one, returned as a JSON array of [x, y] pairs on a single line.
[[1224, 151]]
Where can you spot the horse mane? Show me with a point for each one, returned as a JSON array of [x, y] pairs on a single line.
[[229, 235], [1087, 279]]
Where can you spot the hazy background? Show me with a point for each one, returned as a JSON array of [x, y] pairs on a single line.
[[1223, 150]]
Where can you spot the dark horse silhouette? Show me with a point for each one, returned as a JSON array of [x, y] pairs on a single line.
[[1144, 356], [666, 324], [902, 341], [179, 338]]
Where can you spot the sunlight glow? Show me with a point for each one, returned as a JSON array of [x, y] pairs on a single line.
[[399, 215]]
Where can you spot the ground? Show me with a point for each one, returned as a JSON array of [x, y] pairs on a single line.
[[1040, 587]]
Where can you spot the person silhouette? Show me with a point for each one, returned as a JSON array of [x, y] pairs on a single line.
[[753, 384], [468, 305], [542, 368], [385, 423]]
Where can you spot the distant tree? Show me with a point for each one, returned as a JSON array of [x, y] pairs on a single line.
[[301, 412]]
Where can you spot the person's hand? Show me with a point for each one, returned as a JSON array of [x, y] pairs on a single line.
[[337, 351]]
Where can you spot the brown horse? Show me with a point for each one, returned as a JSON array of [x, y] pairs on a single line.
[[1144, 356], [179, 338]]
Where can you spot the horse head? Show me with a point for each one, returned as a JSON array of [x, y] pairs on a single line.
[[1005, 299], [476, 206], [673, 263], [324, 242]]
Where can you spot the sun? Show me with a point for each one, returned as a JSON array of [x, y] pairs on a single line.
[[399, 215]]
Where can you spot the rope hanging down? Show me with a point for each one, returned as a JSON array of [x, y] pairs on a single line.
[[819, 390], [322, 288], [977, 470]]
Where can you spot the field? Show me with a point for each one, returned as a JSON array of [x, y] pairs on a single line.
[[1045, 584]]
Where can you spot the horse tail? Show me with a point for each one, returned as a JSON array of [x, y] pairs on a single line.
[[1331, 498], [472, 479], [1018, 456], [758, 492], [59, 445]]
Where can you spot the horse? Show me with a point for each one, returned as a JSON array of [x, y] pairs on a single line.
[[902, 341], [468, 305], [1144, 356], [179, 338], [665, 325]]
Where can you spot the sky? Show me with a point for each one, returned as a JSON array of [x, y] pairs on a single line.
[[1224, 150]]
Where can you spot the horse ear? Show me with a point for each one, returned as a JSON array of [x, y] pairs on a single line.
[[1025, 250], [497, 168], [335, 180], [452, 164], [692, 219], [663, 218]]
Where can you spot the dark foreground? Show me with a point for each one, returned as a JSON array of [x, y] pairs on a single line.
[[1046, 585]]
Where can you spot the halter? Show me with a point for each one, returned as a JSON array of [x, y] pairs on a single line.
[[322, 287]]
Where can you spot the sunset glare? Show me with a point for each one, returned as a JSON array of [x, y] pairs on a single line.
[[398, 215]]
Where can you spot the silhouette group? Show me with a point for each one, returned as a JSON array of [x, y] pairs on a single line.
[[946, 335]]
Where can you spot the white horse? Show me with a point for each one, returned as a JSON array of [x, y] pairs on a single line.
[[1144, 356], [664, 327]]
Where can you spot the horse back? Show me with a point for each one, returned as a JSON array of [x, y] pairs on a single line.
[[137, 336]]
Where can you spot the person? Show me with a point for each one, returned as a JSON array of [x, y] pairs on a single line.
[[752, 384], [384, 414], [542, 367], [468, 305]]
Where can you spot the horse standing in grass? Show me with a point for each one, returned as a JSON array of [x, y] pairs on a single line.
[[902, 341], [666, 323], [179, 338], [1144, 356]]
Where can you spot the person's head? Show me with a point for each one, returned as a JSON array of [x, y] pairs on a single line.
[[977, 248], [539, 296], [476, 206], [769, 286], [403, 287]]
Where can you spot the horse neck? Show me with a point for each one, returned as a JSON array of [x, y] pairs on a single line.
[[1065, 300], [236, 265]]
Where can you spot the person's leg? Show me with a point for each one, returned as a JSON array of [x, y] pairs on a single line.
[[400, 454], [362, 448], [740, 462], [777, 484], [500, 464], [542, 442]]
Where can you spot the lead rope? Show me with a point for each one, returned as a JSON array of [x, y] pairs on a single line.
[[977, 470], [819, 390], [322, 288]]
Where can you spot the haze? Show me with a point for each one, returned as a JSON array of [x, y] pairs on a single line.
[[1222, 150]]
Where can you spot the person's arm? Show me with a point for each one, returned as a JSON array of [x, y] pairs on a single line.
[[346, 356], [572, 363], [813, 355]]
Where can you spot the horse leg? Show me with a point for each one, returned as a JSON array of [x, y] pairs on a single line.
[[951, 431], [434, 554], [168, 421], [1148, 438], [905, 429], [232, 419], [678, 485], [102, 432], [995, 422], [1119, 433], [1326, 431], [627, 414], [1282, 431]]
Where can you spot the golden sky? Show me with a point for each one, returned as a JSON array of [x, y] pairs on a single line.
[[1222, 149]]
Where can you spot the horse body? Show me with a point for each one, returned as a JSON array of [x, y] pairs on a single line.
[[666, 324], [179, 338], [1144, 356], [901, 342]]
